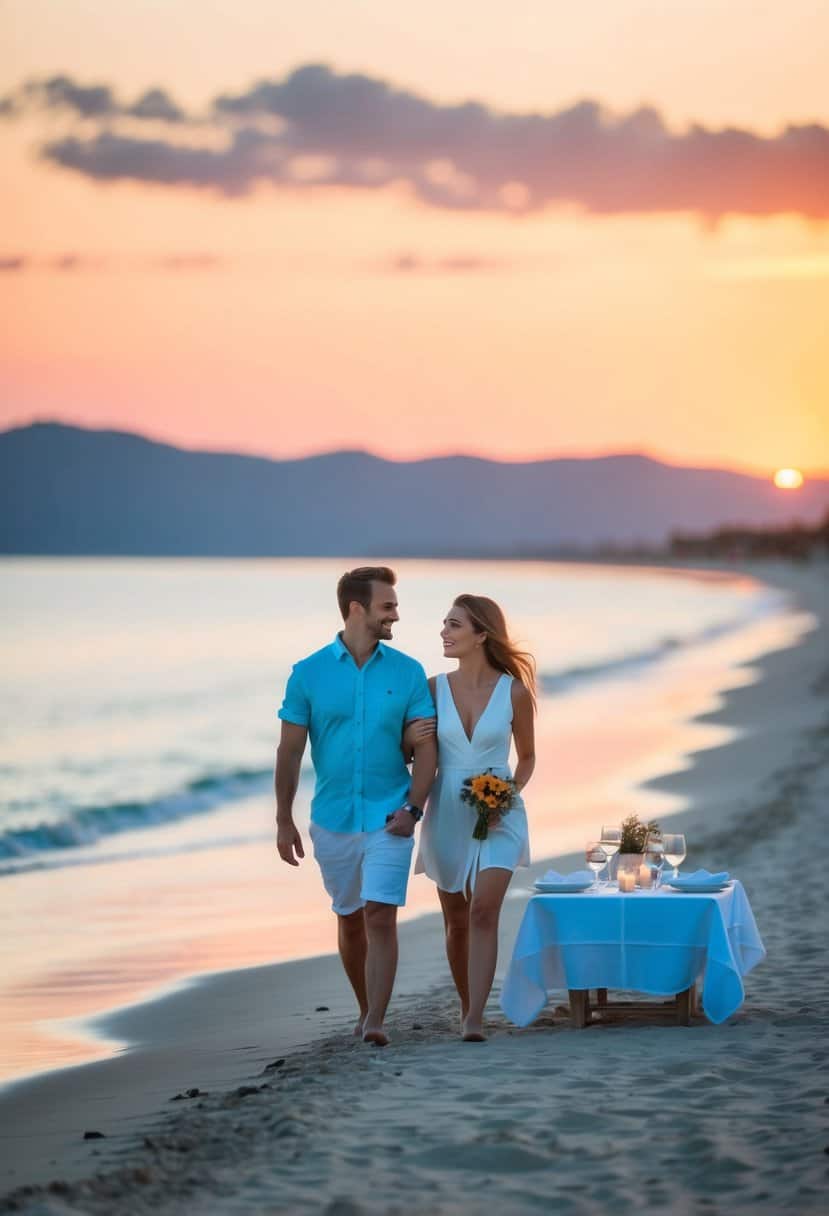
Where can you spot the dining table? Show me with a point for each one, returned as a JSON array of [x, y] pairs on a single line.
[[662, 942]]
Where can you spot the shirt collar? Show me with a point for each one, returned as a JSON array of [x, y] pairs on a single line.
[[341, 651]]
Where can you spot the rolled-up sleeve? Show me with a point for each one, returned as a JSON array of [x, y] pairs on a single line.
[[420, 703], [296, 707]]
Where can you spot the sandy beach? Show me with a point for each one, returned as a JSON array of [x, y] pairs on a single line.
[[244, 1092]]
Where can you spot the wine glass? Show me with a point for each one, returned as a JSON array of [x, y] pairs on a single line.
[[674, 846], [610, 841], [655, 856], [596, 859]]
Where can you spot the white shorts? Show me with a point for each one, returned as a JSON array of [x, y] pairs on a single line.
[[361, 866]]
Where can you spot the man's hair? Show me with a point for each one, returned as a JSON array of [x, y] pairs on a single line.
[[356, 585]]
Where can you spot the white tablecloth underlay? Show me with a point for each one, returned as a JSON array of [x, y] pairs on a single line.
[[659, 942]]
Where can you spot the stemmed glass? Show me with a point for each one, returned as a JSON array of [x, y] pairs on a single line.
[[655, 856], [674, 847], [610, 841], [596, 858]]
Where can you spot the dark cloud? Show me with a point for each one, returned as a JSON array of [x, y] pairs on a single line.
[[68, 262], [318, 128], [88, 101], [156, 104], [410, 263], [189, 261], [77, 262], [112, 157]]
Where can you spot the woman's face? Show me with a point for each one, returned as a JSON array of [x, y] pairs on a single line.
[[458, 634]]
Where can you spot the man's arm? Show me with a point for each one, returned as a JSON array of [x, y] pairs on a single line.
[[286, 779]]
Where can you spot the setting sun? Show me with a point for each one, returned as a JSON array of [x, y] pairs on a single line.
[[788, 479]]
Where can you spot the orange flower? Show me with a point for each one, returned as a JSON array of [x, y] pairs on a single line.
[[487, 794]]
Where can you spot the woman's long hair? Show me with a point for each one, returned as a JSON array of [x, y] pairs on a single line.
[[500, 650]]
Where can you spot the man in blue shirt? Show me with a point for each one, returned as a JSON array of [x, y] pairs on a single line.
[[354, 699]]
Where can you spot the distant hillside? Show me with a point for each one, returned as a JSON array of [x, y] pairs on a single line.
[[64, 490]]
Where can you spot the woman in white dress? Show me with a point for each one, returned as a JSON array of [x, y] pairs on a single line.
[[482, 707]]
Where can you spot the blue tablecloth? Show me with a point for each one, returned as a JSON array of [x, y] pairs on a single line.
[[659, 942]]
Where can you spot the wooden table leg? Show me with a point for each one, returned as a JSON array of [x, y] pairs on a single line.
[[683, 1007], [579, 1007]]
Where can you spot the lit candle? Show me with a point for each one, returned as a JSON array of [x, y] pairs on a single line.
[[645, 876], [627, 880]]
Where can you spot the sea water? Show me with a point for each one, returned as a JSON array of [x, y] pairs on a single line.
[[138, 733]]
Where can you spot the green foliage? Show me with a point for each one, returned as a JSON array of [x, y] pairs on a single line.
[[635, 834]]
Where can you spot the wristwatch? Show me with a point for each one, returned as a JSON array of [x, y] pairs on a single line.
[[414, 811]]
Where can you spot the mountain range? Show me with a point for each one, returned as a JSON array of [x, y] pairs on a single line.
[[69, 490]]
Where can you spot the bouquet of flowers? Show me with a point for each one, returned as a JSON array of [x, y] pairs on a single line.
[[489, 795]]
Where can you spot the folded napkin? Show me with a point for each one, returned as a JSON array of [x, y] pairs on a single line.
[[700, 878], [553, 876]]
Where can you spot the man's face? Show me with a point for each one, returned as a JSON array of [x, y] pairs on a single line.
[[382, 611]]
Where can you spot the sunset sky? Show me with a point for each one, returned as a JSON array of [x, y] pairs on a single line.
[[517, 229]]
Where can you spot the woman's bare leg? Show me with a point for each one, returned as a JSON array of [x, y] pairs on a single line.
[[455, 907], [484, 913]]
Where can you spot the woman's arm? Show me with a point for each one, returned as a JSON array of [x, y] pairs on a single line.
[[419, 730], [523, 732]]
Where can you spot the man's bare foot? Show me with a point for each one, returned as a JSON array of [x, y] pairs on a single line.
[[472, 1032], [376, 1035]]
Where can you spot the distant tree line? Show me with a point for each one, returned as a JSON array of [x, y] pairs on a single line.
[[797, 542]]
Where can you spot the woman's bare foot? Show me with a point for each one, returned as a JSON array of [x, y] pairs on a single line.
[[358, 1029], [472, 1032], [376, 1035]]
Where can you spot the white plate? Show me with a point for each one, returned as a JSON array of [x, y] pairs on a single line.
[[703, 888], [561, 888]]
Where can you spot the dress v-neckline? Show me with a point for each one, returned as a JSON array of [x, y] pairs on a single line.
[[471, 738]]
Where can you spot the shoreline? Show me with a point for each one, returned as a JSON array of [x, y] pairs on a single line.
[[204, 894], [275, 1009]]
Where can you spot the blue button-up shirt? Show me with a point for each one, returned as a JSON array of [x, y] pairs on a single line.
[[355, 718]]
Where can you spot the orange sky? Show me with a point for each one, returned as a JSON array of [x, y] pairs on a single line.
[[677, 312]]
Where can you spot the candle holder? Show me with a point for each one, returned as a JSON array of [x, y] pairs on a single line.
[[629, 863]]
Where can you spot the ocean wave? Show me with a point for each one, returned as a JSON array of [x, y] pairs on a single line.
[[82, 826], [552, 683], [60, 861], [85, 825]]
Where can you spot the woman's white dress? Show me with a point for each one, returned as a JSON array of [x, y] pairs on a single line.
[[448, 852]]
